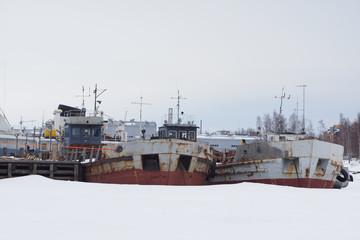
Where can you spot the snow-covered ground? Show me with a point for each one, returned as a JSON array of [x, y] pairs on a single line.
[[35, 207], [353, 165]]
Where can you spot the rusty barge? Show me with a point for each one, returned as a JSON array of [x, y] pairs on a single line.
[[307, 163], [151, 162]]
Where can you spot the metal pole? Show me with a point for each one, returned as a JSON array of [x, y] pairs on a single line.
[[304, 108], [16, 152], [303, 86], [178, 105], [283, 95], [95, 92], [141, 103]]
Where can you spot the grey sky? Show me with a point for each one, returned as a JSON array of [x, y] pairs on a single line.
[[228, 58]]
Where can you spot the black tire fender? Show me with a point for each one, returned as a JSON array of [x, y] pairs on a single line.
[[212, 169], [351, 178], [344, 176]]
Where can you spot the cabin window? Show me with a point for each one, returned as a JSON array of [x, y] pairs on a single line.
[[75, 132], [86, 132], [192, 135], [183, 135], [96, 132], [44, 147], [172, 134], [150, 162]]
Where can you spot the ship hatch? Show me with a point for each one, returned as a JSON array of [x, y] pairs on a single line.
[[291, 166], [184, 163], [150, 162]]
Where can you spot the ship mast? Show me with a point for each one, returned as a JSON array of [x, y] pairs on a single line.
[[178, 105], [96, 96], [141, 103], [283, 96], [83, 96]]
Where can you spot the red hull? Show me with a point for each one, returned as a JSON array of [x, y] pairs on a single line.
[[148, 177], [302, 182]]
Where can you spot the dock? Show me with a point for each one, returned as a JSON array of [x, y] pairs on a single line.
[[59, 170]]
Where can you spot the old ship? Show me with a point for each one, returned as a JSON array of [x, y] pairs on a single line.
[[297, 162]]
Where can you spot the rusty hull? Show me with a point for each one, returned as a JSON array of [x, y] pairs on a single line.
[[122, 163], [301, 163]]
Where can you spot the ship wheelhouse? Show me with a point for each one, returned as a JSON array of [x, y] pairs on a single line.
[[79, 128], [178, 131]]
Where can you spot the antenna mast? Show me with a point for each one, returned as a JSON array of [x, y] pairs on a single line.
[[303, 128], [283, 96], [96, 96], [141, 103], [83, 96], [178, 105]]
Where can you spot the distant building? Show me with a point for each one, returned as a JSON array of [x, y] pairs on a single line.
[[132, 128], [222, 141]]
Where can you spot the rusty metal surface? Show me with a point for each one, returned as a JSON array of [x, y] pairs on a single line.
[[148, 177], [123, 163], [308, 163], [160, 146]]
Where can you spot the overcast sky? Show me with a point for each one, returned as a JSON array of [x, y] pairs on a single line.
[[228, 58]]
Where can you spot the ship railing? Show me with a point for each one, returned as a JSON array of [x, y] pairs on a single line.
[[56, 153], [74, 113]]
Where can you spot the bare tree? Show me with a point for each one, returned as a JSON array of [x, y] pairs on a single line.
[[357, 127], [293, 123], [267, 123], [275, 122], [258, 124], [310, 130], [345, 134], [251, 132], [322, 129]]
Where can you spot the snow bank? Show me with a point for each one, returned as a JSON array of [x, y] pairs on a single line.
[[353, 165], [35, 207]]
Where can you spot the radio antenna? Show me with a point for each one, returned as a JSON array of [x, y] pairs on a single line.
[[282, 97], [83, 96], [141, 103], [178, 105], [96, 96]]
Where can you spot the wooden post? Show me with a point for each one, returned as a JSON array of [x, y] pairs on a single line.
[[9, 170], [34, 168], [51, 170], [76, 172]]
